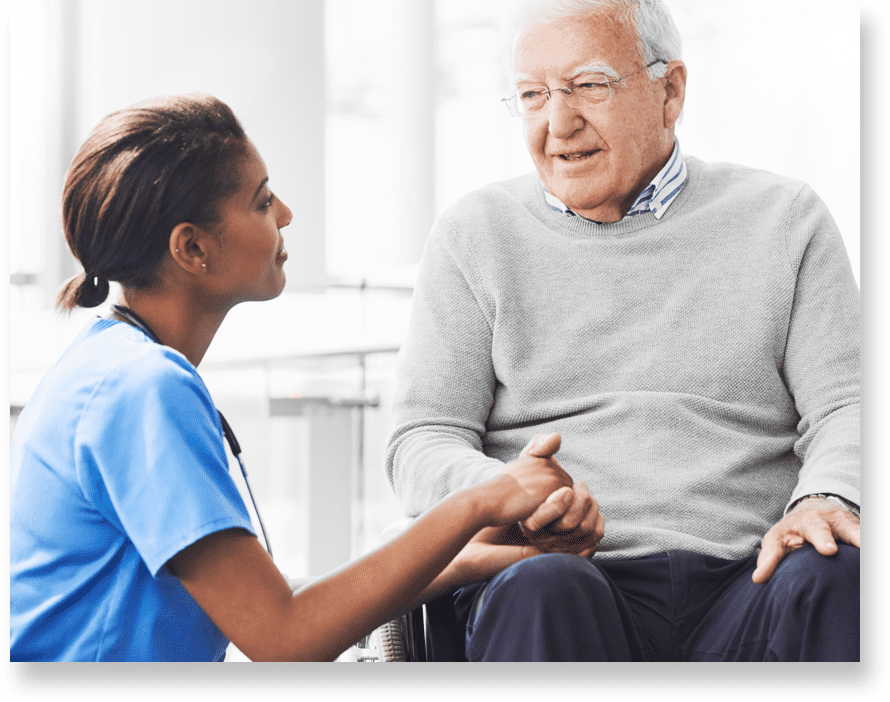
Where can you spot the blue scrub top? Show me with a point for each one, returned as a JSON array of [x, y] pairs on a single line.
[[121, 465]]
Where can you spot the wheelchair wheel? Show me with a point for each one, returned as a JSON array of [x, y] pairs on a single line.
[[391, 644]]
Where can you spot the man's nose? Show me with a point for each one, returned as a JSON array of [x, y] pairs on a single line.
[[564, 118]]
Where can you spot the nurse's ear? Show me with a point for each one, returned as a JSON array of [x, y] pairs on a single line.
[[190, 247]]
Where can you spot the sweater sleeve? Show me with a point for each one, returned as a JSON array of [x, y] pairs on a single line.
[[821, 364], [445, 381]]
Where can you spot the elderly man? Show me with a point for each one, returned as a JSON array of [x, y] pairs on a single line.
[[690, 329]]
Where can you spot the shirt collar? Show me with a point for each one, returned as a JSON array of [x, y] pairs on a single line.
[[655, 198]]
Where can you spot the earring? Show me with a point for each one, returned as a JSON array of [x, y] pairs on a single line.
[[203, 265]]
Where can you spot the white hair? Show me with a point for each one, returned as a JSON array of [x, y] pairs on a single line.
[[657, 35]]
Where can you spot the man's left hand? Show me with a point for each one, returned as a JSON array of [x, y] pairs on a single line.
[[814, 520]]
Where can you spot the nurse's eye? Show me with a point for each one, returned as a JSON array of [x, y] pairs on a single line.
[[267, 203]]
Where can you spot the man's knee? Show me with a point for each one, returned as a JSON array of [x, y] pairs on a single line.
[[810, 587], [807, 569], [554, 607], [548, 575], [817, 601], [539, 567]]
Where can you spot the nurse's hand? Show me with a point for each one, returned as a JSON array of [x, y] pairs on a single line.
[[534, 486], [486, 555]]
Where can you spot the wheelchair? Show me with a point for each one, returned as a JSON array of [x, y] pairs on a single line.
[[430, 633]]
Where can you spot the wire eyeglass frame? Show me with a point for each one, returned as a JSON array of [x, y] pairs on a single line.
[[514, 104]]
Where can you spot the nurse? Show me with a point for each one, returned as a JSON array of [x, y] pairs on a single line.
[[129, 540]]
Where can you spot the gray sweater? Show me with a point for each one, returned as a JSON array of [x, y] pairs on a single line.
[[703, 369]]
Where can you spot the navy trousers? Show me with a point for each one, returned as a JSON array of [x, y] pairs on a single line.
[[674, 606]]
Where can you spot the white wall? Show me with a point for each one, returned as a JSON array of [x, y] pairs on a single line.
[[262, 57]]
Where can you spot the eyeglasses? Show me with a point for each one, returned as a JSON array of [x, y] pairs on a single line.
[[591, 90]]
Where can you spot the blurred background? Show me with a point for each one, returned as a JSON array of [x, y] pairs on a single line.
[[372, 116]]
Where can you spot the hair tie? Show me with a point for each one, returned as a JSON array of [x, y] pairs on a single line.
[[94, 279]]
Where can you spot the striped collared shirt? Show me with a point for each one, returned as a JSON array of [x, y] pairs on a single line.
[[655, 198]]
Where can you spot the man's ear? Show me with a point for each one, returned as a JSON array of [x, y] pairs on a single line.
[[675, 92]]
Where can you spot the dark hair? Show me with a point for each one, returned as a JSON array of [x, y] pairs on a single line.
[[140, 172]]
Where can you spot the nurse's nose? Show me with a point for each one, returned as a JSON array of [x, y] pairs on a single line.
[[284, 215]]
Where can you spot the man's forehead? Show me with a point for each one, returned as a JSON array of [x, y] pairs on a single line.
[[592, 43]]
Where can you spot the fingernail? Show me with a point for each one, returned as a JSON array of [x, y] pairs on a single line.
[[567, 497]]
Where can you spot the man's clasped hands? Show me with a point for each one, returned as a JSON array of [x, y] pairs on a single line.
[[570, 521]]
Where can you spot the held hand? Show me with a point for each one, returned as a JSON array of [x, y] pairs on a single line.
[[818, 521], [534, 481], [579, 530]]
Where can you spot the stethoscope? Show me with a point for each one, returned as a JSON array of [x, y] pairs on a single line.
[[135, 320]]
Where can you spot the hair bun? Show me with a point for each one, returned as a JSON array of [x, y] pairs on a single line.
[[93, 291]]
